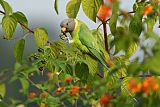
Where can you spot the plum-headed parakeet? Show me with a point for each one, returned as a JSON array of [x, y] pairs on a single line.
[[84, 40]]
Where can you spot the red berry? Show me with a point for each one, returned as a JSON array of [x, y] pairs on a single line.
[[31, 95], [68, 79], [105, 99]]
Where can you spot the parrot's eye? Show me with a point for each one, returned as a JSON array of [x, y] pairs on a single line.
[[67, 24]]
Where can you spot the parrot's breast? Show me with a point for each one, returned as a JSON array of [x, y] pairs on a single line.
[[81, 47]]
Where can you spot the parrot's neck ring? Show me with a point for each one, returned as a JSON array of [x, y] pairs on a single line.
[[76, 23]]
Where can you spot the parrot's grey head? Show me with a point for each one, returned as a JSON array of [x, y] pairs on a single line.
[[67, 25]]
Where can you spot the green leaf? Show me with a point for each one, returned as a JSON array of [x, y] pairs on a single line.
[[113, 23], [125, 82], [73, 8], [92, 65], [114, 17], [2, 89], [150, 24], [152, 64], [21, 18], [7, 8], [25, 85], [18, 50], [41, 36], [91, 7], [98, 34], [53, 101], [68, 69], [121, 41], [82, 71], [135, 25], [56, 6], [9, 25], [131, 49]]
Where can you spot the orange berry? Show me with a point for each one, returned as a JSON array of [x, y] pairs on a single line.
[[104, 12], [68, 79], [138, 88], [158, 1], [148, 10], [149, 84], [145, 84], [31, 95], [134, 86], [155, 87], [59, 89], [110, 1], [105, 99], [43, 94], [74, 91]]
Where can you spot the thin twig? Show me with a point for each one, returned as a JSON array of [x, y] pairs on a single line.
[[105, 34]]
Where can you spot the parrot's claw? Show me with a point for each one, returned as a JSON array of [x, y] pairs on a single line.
[[71, 41], [63, 37]]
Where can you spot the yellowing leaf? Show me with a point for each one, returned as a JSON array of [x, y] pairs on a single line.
[[7, 8], [91, 7], [21, 18], [41, 36], [9, 24], [73, 8]]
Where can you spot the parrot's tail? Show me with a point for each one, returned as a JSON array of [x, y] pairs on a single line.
[[120, 82]]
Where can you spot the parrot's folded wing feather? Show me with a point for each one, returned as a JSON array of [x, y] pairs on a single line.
[[89, 41]]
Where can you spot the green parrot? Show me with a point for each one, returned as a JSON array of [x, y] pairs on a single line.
[[83, 39]]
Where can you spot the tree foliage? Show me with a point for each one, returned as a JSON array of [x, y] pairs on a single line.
[[67, 76]]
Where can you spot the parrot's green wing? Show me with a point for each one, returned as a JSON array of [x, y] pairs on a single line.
[[87, 39]]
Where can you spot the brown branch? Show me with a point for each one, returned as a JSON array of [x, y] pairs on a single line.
[[122, 14], [102, 2], [21, 24], [25, 27], [149, 75], [105, 34], [105, 29]]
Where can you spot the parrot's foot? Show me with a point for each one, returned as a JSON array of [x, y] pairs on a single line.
[[63, 37], [71, 41]]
